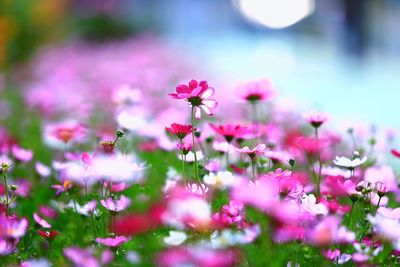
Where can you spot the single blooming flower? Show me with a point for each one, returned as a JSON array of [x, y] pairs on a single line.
[[112, 242], [258, 91], [350, 164], [253, 153], [175, 238], [315, 118], [116, 205], [23, 155], [81, 257], [49, 235], [181, 131], [42, 169], [185, 148], [198, 95], [220, 179], [230, 131]]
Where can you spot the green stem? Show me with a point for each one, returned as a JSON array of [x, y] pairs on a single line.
[[351, 213], [227, 156], [7, 198], [253, 168], [183, 161], [377, 206], [196, 174], [319, 164]]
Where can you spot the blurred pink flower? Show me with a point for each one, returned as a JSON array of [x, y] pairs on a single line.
[[255, 152], [116, 205], [81, 257], [42, 169], [329, 231], [21, 154], [261, 90], [315, 118], [230, 131], [112, 242], [60, 134]]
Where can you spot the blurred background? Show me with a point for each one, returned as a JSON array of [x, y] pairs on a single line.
[[341, 56]]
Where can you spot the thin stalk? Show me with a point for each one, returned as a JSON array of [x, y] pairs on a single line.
[[351, 213], [319, 162], [227, 155], [253, 168], [7, 198], [183, 161], [377, 206], [196, 174]]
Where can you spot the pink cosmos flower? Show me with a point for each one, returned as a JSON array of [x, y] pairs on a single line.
[[60, 134], [81, 257], [12, 227], [40, 221], [263, 194], [23, 155], [48, 212], [232, 213], [116, 205], [197, 256], [230, 131], [315, 118], [253, 153], [198, 95], [329, 231], [261, 90], [112, 242], [42, 169], [336, 256], [181, 131], [185, 148]]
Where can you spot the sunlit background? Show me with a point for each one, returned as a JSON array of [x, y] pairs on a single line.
[[338, 56]]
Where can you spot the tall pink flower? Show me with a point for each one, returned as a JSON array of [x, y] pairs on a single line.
[[315, 118], [181, 131], [198, 95], [112, 242], [230, 131], [253, 153], [261, 90], [116, 205]]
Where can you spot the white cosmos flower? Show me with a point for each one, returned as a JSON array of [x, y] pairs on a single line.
[[220, 179], [308, 203], [117, 168], [349, 163], [175, 238], [190, 156]]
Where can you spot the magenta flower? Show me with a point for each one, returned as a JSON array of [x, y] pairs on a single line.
[[112, 242], [12, 227], [181, 131], [81, 257], [40, 221], [185, 147], [42, 169], [230, 131], [253, 153], [255, 91], [116, 205], [315, 118], [21, 154], [198, 95]]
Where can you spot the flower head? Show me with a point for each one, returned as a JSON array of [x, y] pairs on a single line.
[[116, 205], [112, 242], [181, 131], [315, 118], [350, 164], [230, 131], [253, 153], [255, 91], [198, 95], [49, 235]]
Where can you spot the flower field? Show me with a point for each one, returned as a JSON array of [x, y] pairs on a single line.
[[118, 154]]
